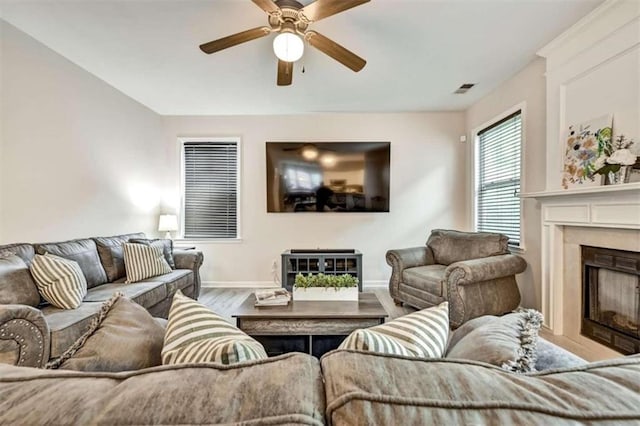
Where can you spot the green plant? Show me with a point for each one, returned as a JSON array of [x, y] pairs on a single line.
[[325, 281]]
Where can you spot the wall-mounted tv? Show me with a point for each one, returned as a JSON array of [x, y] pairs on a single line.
[[326, 177]]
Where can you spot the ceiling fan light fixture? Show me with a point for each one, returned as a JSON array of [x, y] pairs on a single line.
[[288, 46], [309, 152]]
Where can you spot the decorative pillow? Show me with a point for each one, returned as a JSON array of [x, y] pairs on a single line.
[[196, 334], [123, 337], [421, 334], [60, 281], [142, 261], [509, 341], [16, 283], [166, 245], [111, 256]]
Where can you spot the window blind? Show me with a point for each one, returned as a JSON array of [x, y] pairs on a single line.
[[498, 201], [210, 190]]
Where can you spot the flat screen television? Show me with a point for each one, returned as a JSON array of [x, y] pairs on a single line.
[[325, 177]]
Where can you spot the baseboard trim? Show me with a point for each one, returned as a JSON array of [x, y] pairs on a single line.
[[372, 284], [376, 284]]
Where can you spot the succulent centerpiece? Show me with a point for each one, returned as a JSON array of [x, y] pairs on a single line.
[[322, 287]]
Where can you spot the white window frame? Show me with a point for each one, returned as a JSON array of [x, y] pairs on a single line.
[[181, 143], [475, 166]]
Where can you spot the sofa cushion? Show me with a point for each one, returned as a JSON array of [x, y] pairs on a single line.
[[60, 281], [368, 388], [124, 337], [145, 294], [509, 341], [283, 390], [166, 245], [111, 256], [178, 279], [68, 325], [428, 278], [144, 261], [454, 246], [16, 283], [22, 250], [419, 334], [196, 334], [84, 252]]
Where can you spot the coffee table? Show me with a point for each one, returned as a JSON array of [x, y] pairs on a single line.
[[311, 327]]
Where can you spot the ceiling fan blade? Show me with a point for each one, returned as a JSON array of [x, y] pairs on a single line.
[[337, 52], [267, 5], [285, 73], [235, 39], [321, 9]]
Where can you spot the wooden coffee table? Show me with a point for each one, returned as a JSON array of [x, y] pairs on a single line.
[[311, 327]]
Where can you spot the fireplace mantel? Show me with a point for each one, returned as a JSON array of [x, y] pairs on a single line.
[[589, 190], [615, 208]]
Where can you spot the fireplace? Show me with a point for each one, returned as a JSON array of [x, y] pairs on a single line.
[[611, 298]]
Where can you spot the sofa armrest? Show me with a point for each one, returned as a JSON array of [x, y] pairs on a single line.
[[401, 259], [24, 336], [485, 269], [190, 259]]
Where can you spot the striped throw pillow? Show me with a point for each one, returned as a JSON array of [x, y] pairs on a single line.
[[196, 334], [421, 334], [142, 261], [60, 281]]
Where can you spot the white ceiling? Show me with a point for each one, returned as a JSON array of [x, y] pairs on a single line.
[[418, 52]]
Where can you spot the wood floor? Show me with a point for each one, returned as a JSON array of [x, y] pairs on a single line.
[[224, 301]]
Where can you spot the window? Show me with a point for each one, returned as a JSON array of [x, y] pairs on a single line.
[[498, 178], [210, 189]]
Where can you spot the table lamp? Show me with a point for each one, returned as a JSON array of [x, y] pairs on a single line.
[[168, 223]]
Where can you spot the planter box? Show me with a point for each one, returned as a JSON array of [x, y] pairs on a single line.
[[349, 294]]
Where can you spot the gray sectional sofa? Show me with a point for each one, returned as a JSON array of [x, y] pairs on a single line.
[[32, 332], [343, 388]]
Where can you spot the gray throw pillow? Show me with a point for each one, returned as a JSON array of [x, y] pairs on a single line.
[[165, 245], [16, 283], [509, 341], [124, 337]]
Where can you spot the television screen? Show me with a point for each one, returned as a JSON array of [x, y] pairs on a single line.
[[328, 176]]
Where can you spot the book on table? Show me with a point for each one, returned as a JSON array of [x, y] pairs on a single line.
[[272, 297]]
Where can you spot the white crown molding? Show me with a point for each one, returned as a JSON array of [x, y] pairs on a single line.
[[576, 28]]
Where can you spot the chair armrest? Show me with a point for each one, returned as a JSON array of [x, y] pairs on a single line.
[[484, 269], [24, 336], [401, 259], [190, 259]]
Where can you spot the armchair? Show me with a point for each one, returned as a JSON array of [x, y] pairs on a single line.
[[474, 271]]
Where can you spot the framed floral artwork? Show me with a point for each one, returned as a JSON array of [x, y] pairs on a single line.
[[585, 142]]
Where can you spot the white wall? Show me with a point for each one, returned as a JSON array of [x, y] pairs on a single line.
[[428, 179], [527, 87], [78, 157], [593, 69]]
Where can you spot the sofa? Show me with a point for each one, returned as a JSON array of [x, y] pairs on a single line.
[[343, 388], [32, 332], [474, 271]]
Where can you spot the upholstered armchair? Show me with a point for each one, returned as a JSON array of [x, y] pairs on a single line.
[[474, 271]]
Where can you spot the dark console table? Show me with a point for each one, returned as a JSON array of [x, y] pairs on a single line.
[[315, 261]]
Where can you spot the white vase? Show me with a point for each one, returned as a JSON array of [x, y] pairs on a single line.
[[346, 294]]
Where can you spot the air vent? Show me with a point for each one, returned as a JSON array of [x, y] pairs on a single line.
[[464, 88]]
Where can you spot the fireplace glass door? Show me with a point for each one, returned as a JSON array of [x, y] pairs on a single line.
[[615, 301]]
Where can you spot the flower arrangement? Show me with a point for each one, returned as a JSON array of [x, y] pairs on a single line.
[[615, 156], [322, 280]]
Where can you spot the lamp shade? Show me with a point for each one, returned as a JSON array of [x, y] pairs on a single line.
[[288, 47], [168, 222]]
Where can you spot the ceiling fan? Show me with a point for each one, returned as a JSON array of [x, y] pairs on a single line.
[[291, 21]]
